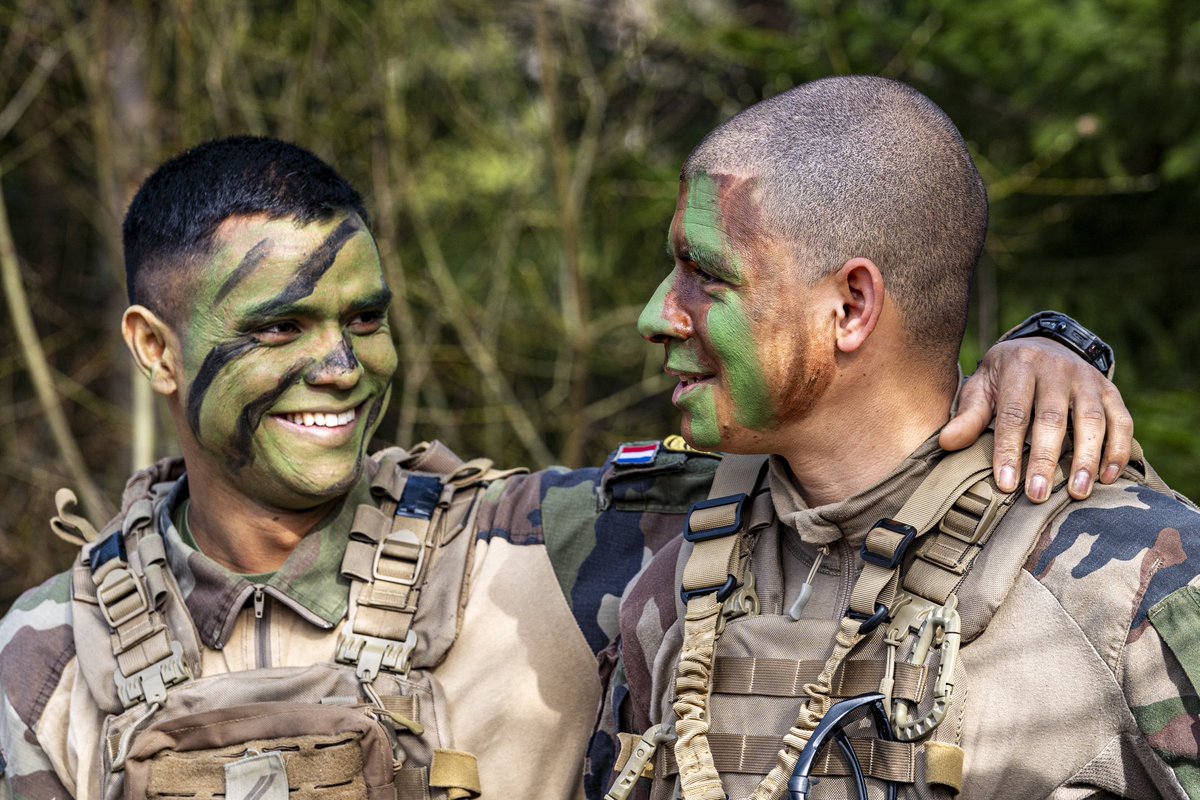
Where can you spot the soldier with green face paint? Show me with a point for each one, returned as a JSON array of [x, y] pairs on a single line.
[[854, 611], [279, 613]]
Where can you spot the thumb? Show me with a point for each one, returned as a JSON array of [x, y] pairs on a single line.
[[975, 405]]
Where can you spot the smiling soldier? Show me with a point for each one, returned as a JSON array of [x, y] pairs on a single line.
[[288, 617], [861, 607]]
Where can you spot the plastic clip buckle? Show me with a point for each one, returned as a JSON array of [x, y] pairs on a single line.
[[907, 531], [151, 683], [369, 654]]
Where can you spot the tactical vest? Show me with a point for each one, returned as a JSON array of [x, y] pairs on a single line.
[[371, 725], [752, 688]]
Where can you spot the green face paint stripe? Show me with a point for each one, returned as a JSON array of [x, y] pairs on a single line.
[[703, 228], [731, 335], [250, 262], [653, 313], [703, 429], [251, 417], [214, 362], [317, 264]]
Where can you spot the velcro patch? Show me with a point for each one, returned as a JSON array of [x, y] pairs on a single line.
[[629, 455]]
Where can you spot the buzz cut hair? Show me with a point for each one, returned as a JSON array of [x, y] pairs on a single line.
[[172, 221], [861, 166]]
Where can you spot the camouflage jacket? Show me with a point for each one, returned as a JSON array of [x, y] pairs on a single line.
[[1081, 677], [555, 551]]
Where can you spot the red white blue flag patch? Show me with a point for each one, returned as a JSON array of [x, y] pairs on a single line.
[[629, 455]]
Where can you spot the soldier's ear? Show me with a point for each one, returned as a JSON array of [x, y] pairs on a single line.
[[860, 286], [154, 347]]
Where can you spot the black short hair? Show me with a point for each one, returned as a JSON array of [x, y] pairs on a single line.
[[865, 166], [175, 214]]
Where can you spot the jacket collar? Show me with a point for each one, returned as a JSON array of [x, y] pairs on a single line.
[[310, 581]]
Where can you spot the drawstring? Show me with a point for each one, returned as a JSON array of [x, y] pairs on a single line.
[[806, 589]]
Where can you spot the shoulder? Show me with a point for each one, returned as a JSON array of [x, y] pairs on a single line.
[[1127, 547], [36, 644]]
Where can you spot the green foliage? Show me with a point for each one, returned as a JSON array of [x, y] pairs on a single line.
[[520, 162]]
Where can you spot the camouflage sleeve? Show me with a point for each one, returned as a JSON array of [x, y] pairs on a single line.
[[36, 645], [648, 610], [1130, 557], [599, 525]]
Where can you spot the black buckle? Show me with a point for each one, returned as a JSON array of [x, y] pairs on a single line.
[[110, 548], [871, 622], [715, 533], [723, 591], [907, 531]]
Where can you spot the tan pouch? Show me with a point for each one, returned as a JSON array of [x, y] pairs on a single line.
[[264, 751]]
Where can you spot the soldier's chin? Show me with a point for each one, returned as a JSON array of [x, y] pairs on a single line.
[[296, 490]]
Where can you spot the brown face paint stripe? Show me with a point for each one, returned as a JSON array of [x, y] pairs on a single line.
[[249, 263], [317, 264], [251, 416], [214, 362]]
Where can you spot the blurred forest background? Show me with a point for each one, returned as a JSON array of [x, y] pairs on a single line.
[[520, 163]]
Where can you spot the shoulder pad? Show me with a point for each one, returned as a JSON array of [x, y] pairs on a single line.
[[661, 476]]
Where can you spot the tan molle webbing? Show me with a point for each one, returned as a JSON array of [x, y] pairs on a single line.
[[755, 755], [387, 557], [148, 657], [456, 772], [778, 677], [713, 563], [938, 497]]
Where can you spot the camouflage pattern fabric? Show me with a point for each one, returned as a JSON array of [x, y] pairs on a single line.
[[592, 529], [1083, 684]]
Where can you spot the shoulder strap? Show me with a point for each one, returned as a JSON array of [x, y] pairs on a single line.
[[406, 547], [127, 604]]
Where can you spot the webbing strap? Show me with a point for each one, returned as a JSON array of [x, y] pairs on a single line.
[[148, 658], [455, 771], [780, 677], [712, 563], [390, 549], [754, 755]]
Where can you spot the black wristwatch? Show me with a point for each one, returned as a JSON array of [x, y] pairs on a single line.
[[1069, 333]]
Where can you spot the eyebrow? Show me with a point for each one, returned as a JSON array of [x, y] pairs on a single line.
[[275, 308]]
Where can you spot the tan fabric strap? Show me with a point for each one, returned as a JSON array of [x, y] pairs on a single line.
[[944, 764], [755, 755], [455, 771], [778, 677], [716, 531]]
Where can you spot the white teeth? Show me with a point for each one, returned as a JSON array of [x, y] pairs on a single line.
[[320, 419]]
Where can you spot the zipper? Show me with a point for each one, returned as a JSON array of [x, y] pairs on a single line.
[[262, 628]]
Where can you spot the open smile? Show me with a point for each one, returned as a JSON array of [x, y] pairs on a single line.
[[331, 426]]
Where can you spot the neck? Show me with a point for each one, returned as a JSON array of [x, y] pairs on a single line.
[[241, 534], [835, 455]]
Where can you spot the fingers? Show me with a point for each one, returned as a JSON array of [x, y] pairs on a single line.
[[1119, 442], [974, 413], [1014, 402]]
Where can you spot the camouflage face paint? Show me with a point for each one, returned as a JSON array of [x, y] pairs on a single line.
[[731, 318], [288, 358]]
